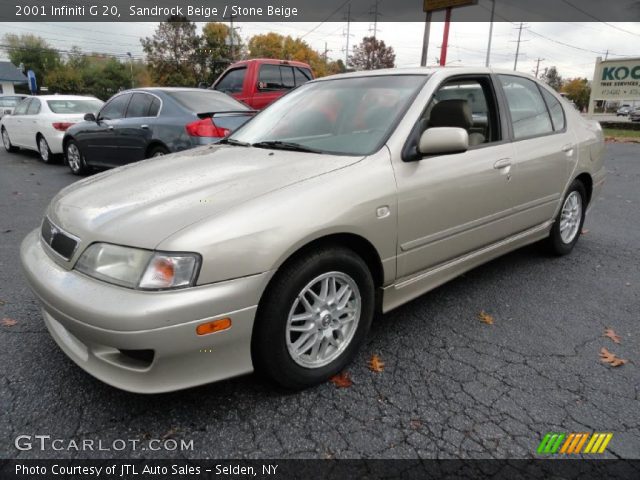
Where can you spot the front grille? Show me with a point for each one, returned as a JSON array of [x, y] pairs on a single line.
[[60, 242]]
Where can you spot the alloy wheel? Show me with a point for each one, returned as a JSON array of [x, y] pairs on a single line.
[[570, 217]]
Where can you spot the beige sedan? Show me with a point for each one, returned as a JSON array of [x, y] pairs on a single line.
[[273, 250]]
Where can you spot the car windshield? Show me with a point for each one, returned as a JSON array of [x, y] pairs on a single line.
[[91, 105], [349, 116]]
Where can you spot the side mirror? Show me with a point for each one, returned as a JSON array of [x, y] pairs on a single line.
[[443, 140], [203, 85], [8, 111], [89, 117]]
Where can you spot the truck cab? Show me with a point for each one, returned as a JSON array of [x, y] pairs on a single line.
[[259, 82]]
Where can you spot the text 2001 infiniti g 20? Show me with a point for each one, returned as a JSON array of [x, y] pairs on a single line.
[[270, 250]]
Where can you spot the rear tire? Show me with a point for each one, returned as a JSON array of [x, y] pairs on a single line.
[[43, 149], [7, 141], [306, 331], [567, 227], [157, 151], [75, 158]]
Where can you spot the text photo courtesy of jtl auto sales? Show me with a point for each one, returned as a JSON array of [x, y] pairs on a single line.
[[350, 239]]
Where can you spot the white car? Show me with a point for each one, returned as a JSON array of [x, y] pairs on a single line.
[[39, 123]]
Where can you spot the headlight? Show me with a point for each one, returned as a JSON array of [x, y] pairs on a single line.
[[137, 268]]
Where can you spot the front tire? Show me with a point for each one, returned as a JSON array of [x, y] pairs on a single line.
[[313, 318], [75, 158], [157, 151], [567, 227], [7, 141]]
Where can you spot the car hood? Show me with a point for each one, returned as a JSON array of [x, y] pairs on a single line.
[[143, 203]]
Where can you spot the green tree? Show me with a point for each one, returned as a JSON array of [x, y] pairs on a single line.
[[372, 54], [216, 48], [578, 90], [174, 53], [33, 52], [552, 78]]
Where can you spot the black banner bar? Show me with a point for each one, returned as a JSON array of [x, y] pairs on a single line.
[[312, 10]]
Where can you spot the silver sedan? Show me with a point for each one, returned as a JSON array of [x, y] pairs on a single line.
[[273, 250]]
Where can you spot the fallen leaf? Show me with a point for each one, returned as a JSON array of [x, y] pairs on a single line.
[[341, 380], [584, 231], [607, 357], [609, 333], [375, 364], [485, 318], [415, 424], [8, 322], [2, 302]]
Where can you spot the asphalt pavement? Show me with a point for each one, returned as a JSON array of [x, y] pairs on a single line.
[[451, 387]]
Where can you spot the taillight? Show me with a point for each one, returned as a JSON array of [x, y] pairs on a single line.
[[62, 126], [206, 128]]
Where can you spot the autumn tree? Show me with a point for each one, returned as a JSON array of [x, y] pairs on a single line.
[[372, 54], [174, 53], [578, 90], [552, 78], [33, 52]]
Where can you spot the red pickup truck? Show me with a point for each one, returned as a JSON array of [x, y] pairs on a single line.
[[261, 81]]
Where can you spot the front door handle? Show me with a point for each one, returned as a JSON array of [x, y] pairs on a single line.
[[110, 127], [568, 147], [502, 163], [145, 127]]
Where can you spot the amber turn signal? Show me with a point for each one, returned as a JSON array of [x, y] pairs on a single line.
[[214, 326]]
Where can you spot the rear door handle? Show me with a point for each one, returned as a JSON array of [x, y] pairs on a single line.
[[110, 127], [568, 147], [502, 163], [146, 127]]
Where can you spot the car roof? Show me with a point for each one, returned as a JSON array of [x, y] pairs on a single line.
[[168, 89], [424, 71], [272, 61]]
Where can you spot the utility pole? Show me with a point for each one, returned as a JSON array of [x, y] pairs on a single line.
[[425, 39], [538, 65], [326, 51], [606, 55], [493, 13], [375, 20], [515, 65], [346, 48], [131, 66]]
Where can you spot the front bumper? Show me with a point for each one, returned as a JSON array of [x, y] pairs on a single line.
[[94, 322]]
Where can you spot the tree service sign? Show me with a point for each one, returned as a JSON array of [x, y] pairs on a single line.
[[616, 80]]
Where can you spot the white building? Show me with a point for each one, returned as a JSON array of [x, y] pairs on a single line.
[[10, 76]]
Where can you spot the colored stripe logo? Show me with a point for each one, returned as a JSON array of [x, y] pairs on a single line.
[[574, 443]]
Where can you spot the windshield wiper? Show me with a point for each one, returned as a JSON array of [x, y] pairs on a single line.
[[231, 141], [280, 145]]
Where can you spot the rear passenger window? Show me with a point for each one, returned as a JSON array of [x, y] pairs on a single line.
[[269, 78], [34, 107], [154, 108], [557, 113], [287, 77], [139, 105], [529, 114]]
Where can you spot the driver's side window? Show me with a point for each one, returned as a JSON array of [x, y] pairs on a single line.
[[463, 102]]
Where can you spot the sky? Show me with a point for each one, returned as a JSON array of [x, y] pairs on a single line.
[[571, 47]]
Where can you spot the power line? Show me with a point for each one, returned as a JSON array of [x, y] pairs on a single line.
[[599, 20], [326, 19]]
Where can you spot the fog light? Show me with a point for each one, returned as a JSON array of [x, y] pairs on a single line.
[[213, 327]]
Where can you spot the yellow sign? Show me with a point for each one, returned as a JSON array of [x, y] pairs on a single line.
[[433, 5]]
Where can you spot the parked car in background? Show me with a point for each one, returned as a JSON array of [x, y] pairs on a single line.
[[274, 249], [261, 81], [150, 122], [624, 110], [634, 115], [39, 123], [9, 102]]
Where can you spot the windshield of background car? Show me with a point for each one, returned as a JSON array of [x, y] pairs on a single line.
[[350, 116], [75, 106], [206, 101]]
